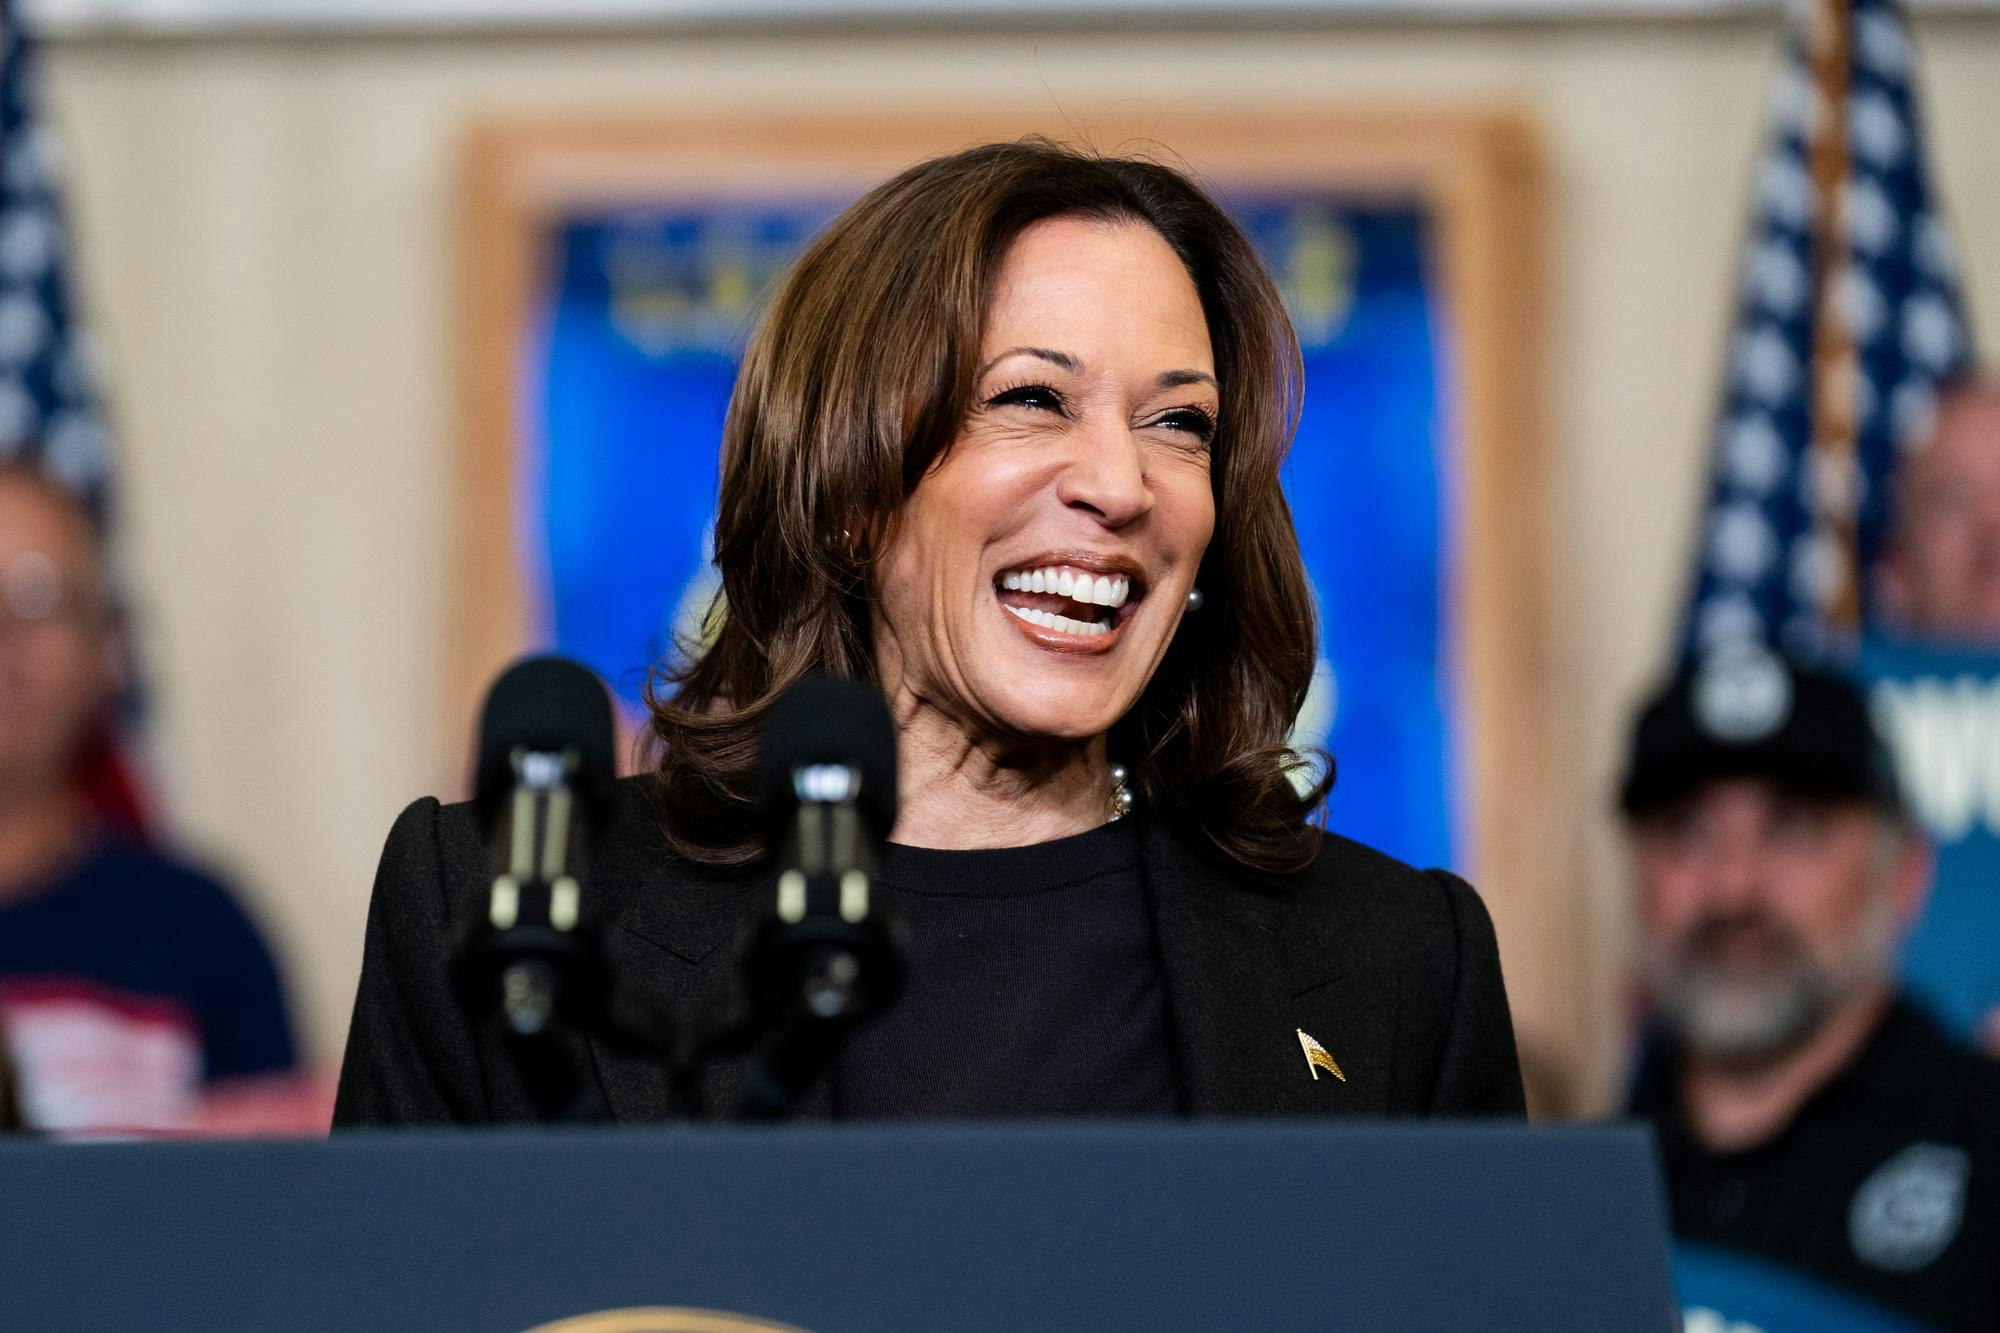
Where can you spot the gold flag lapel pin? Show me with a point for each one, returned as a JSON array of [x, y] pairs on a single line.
[[1317, 1057]]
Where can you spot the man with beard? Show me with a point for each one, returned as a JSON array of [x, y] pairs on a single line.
[[1808, 1114]]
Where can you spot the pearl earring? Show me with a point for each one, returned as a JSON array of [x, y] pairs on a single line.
[[1194, 599], [1121, 795]]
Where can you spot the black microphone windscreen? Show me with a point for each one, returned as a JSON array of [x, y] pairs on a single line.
[[546, 703], [828, 720]]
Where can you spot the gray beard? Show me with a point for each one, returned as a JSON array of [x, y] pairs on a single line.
[[1733, 1020], [1753, 1020]]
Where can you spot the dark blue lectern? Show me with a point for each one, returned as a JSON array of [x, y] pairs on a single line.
[[845, 1229]]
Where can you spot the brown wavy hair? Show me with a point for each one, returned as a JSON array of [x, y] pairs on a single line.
[[854, 384]]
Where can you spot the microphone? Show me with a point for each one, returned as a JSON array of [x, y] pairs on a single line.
[[828, 957], [826, 793], [542, 785]]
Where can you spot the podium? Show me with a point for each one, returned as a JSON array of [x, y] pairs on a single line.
[[840, 1229]]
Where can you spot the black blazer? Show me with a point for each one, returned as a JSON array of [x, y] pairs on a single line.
[[1394, 971]]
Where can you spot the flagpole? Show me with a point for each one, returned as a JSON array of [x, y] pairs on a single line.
[[1835, 364]]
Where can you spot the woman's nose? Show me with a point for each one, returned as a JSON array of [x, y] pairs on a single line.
[[1107, 475]]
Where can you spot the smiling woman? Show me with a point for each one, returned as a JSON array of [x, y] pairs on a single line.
[[997, 368], [1006, 444]]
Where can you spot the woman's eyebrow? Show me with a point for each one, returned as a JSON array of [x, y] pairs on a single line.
[[1060, 359], [1174, 379]]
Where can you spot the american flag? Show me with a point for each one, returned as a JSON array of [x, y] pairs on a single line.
[[51, 414], [1849, 318]]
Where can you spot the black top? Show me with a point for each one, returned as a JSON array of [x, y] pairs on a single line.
[[1886, 1183], [1034, 987], [1393, 972]]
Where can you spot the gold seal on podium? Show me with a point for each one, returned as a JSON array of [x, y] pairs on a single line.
[[663, 1319]]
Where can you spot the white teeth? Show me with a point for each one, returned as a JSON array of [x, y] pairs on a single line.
[[1061, 624], [1112, 590]]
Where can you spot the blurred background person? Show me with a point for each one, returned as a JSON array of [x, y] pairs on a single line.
[[1808, 1112], [1941, 574], [1931, 664], [130, 984]]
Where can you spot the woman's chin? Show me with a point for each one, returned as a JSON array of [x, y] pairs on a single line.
[[1076, 714]]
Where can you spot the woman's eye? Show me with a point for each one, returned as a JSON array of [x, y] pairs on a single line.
[[1029, 395], [1192, 420]]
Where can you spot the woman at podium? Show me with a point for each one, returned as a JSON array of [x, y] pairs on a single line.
[[1007, 445]]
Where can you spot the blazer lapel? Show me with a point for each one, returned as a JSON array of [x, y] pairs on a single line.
[[1248, 967]]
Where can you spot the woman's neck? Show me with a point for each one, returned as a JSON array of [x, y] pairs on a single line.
[[956, 791]]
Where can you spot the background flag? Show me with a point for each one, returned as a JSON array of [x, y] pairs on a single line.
[[1849, 318], [51, 414]]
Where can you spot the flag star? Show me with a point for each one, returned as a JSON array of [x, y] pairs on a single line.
[[33, 160], [74, 449], [1860, 304], [1766, 365], [1787, 191], [1930, 332], [1913, 411], [1819, 569], [1741, 544], [1879, 135], [1871, 218], [1795, 101], [1881, 42], [24, 328], [1931, 242], [74, 372], [1753, 453], [18, 418], [1727, 618], [1775, 276], [28, 242]]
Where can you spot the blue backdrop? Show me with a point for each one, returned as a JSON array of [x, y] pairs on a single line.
[[633, 356]]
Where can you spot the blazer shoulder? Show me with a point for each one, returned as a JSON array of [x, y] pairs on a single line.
[[1430, 931], [1431, 917], [1348, 879]]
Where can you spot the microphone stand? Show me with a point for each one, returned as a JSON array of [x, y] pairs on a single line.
[[825, 961], [533, 966]]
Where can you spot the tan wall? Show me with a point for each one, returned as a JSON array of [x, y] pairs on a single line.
[[266, 225]]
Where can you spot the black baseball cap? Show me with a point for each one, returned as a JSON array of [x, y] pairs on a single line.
[[1747, 711]]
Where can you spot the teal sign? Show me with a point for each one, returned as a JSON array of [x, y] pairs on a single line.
[[1939, 709]]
